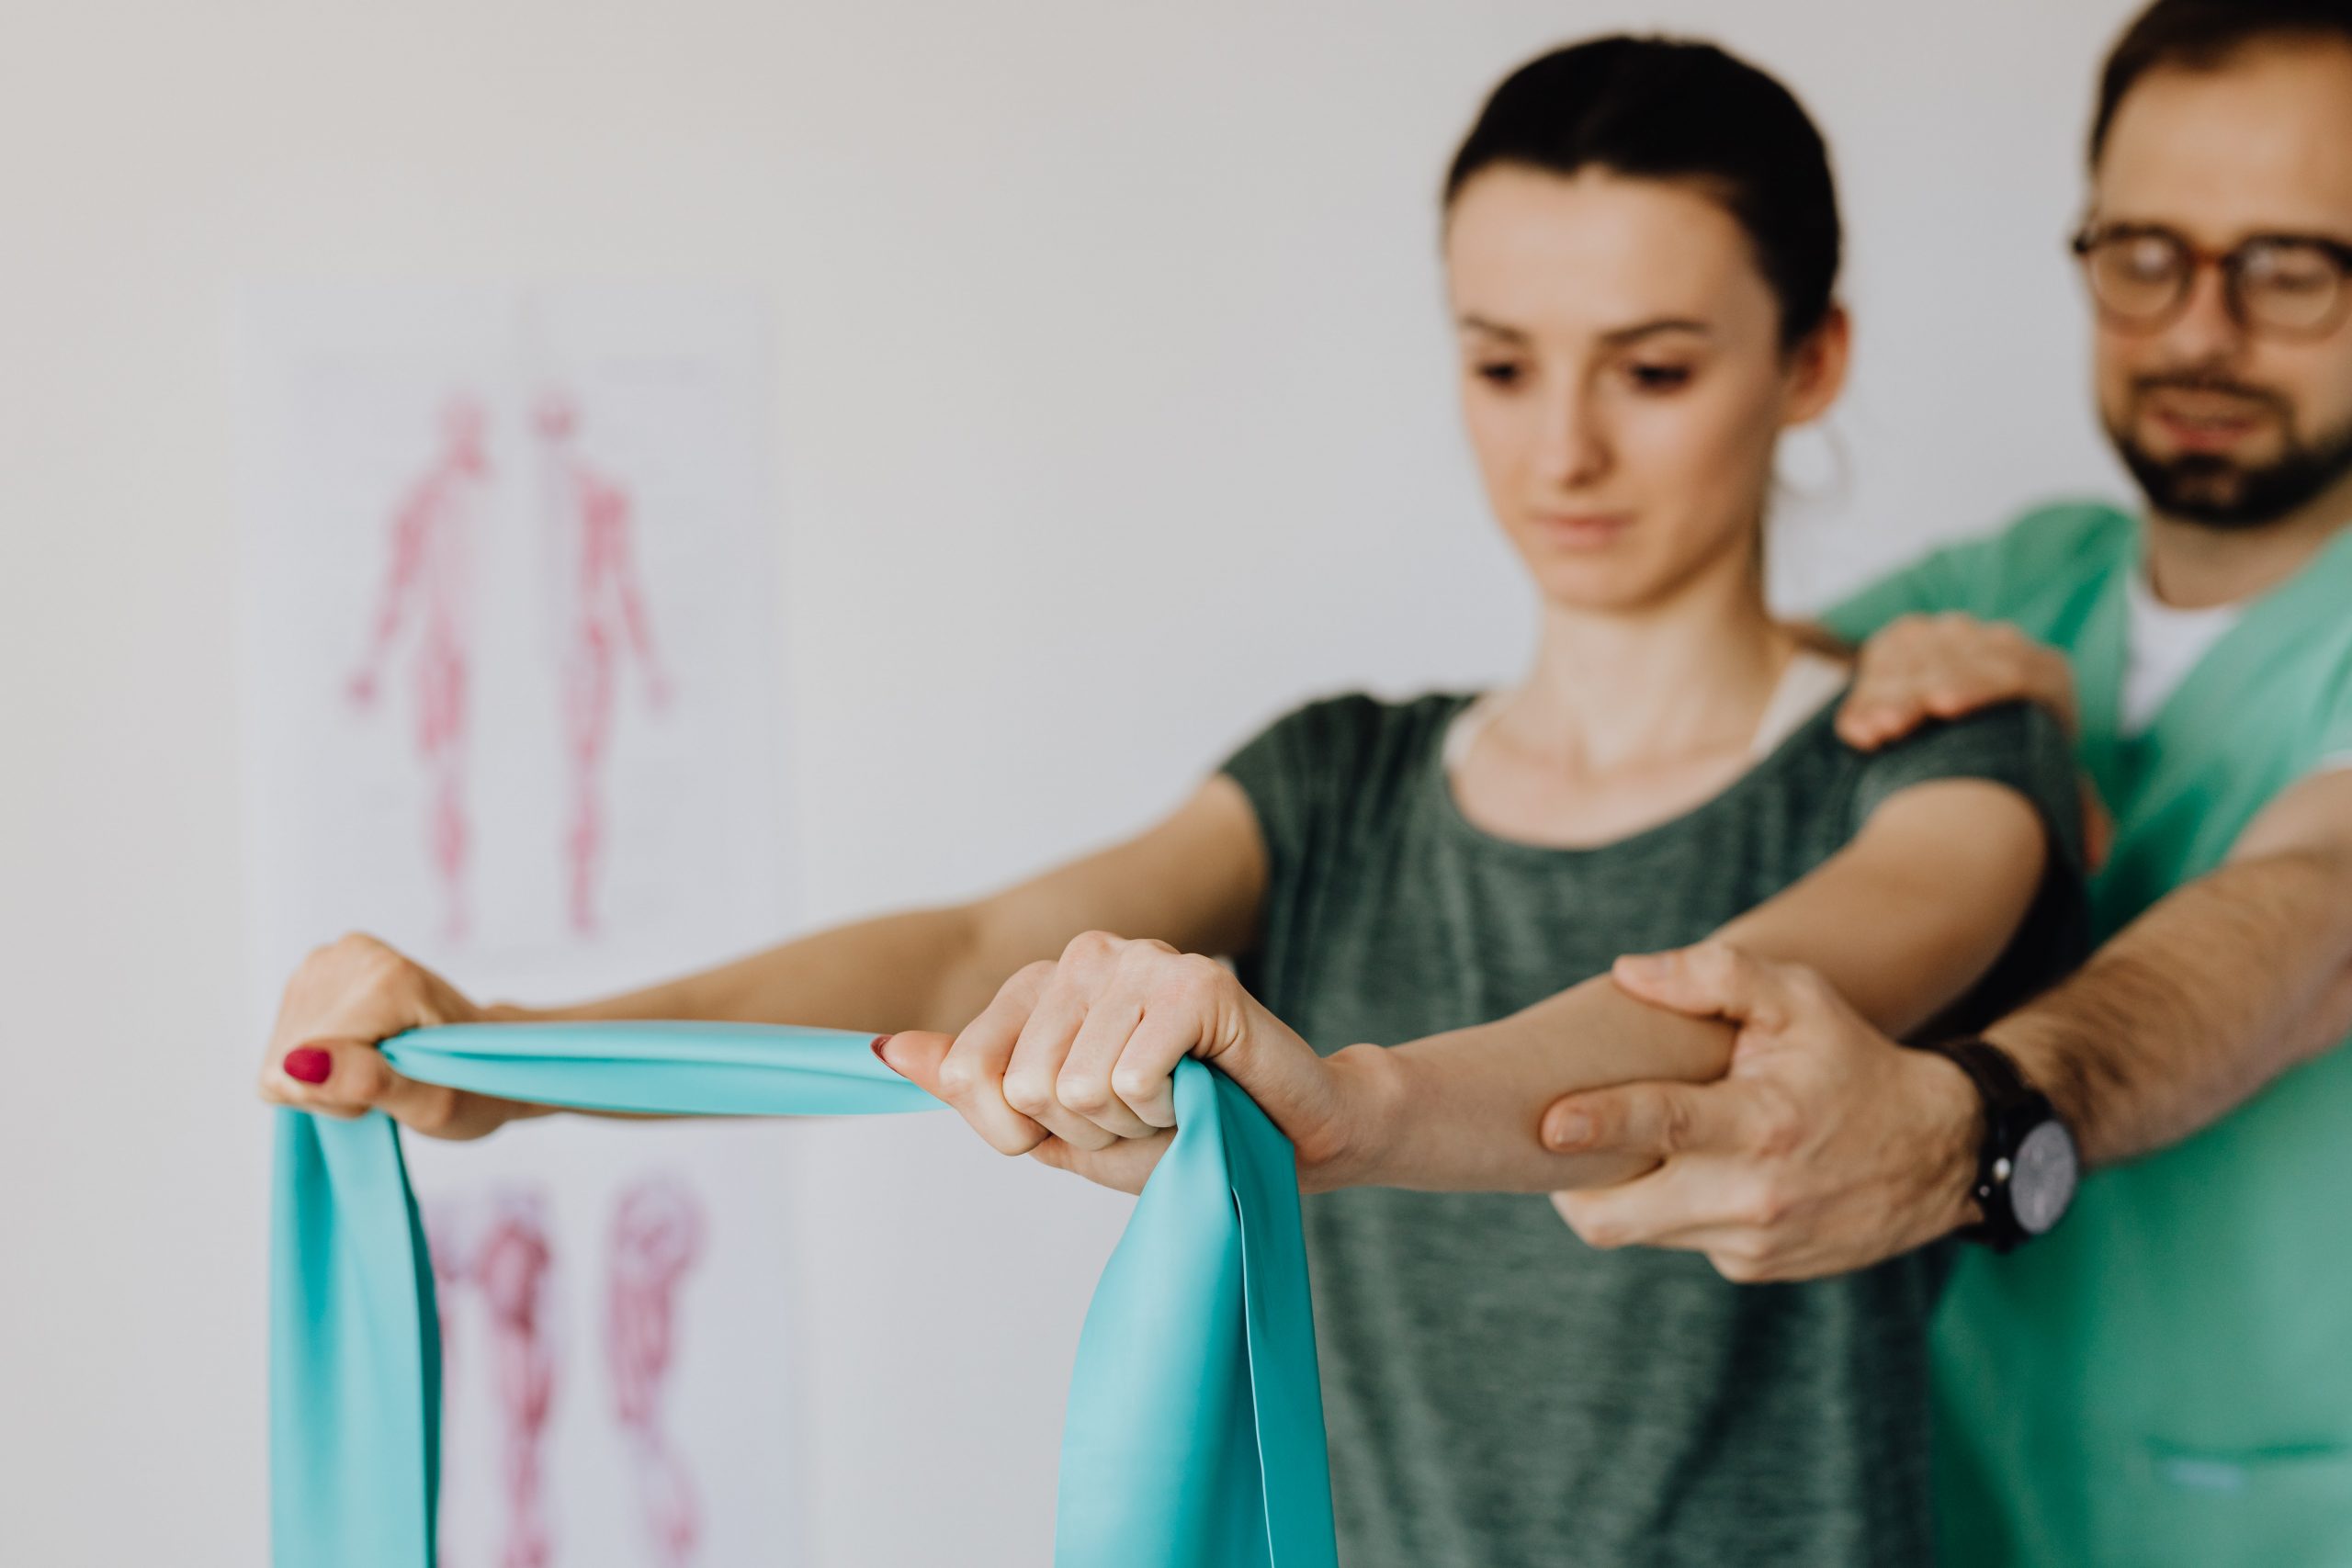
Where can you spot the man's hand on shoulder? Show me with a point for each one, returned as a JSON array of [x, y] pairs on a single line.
[[1920, 668], [1923, 668]]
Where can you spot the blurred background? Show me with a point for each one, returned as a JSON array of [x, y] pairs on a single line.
[[1092, 402]]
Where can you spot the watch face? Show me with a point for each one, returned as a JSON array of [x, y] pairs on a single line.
[[2041, 1180]]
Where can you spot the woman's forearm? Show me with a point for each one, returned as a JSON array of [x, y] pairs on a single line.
[[918, 969], [1192, 880], [1458, 1111]]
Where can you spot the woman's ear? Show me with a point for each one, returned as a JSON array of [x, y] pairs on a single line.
[[1816, 371]]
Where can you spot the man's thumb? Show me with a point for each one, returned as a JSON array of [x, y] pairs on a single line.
[[1711, 980]]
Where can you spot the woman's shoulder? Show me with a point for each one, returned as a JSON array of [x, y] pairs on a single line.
[[2009, 732], [2018, 744], [1333, 770], [1356, 719], [1335, 747]]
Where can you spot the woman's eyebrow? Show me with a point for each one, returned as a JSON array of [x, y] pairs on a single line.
[[1622, 336], [1615, 337], [1492, 329]]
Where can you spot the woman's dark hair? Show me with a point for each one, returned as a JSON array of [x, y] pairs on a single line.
[[2201, 35], [1671, 109]]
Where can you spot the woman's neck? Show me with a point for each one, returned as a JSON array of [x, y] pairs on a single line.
[[1688, 677]]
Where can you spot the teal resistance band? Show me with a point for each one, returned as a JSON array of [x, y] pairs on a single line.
[[1195, 1432]]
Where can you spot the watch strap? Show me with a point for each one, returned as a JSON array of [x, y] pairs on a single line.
[[2012, 1107]]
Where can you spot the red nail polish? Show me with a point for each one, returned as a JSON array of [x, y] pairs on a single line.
[[880, 1041], [308, 1064]]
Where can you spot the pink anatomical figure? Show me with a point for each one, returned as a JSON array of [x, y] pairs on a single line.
[[600, 604], [657, 1234], [426, 591], [513, 1272]]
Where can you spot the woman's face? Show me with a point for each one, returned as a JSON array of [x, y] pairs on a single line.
[[1623, 378]]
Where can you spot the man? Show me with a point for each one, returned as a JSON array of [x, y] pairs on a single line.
[[2167, 1379]]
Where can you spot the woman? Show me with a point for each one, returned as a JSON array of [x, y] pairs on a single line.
[[1641, 242]]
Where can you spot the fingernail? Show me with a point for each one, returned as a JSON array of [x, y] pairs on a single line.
[[308, 1064], [880, 1041], [1570, 1128], [1641, 962]]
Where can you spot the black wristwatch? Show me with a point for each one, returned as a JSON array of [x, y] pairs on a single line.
[[2027, 1165]]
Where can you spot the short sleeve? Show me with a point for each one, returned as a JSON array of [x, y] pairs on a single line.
[[2022, 746], [1297, 771], [1305, 775]]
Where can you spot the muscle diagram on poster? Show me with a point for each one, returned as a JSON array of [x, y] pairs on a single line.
[[512, 702]]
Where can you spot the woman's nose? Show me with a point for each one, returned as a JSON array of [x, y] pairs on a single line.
[[1574, 448]]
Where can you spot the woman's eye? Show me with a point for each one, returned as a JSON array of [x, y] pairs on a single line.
[[1659, 377], [1498, 374]]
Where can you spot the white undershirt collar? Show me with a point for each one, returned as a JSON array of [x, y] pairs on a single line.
[[2162, 643]]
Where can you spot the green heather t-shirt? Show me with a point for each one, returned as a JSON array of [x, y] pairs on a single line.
[[1498, 1395]]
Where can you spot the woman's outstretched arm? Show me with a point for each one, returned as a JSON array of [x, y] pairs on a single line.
[[1193, 879], [1199, 871]]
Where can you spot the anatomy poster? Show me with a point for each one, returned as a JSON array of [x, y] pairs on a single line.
[[512, 702]]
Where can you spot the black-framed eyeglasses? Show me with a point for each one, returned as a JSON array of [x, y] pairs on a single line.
[[2285, 285]]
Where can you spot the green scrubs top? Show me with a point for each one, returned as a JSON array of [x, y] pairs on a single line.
[[2166, 1378]]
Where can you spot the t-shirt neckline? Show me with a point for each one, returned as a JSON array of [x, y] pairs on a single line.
[[1438, 777]]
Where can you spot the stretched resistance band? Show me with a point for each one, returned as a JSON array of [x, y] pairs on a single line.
[[1194, 1437]]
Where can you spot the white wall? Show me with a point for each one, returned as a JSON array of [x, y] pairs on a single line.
[[1115, 417]]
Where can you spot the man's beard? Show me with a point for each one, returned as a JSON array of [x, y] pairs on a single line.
[[2221, 493]]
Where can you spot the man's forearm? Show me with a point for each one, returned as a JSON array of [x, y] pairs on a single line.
[[2217, 989]]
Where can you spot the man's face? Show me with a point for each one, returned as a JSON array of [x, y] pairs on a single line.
[[2220, 425]]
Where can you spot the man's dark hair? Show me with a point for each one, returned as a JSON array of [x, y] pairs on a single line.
[[2201, 35], [1666, 109]]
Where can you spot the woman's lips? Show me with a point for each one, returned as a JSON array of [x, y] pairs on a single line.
[[1582, 530]]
